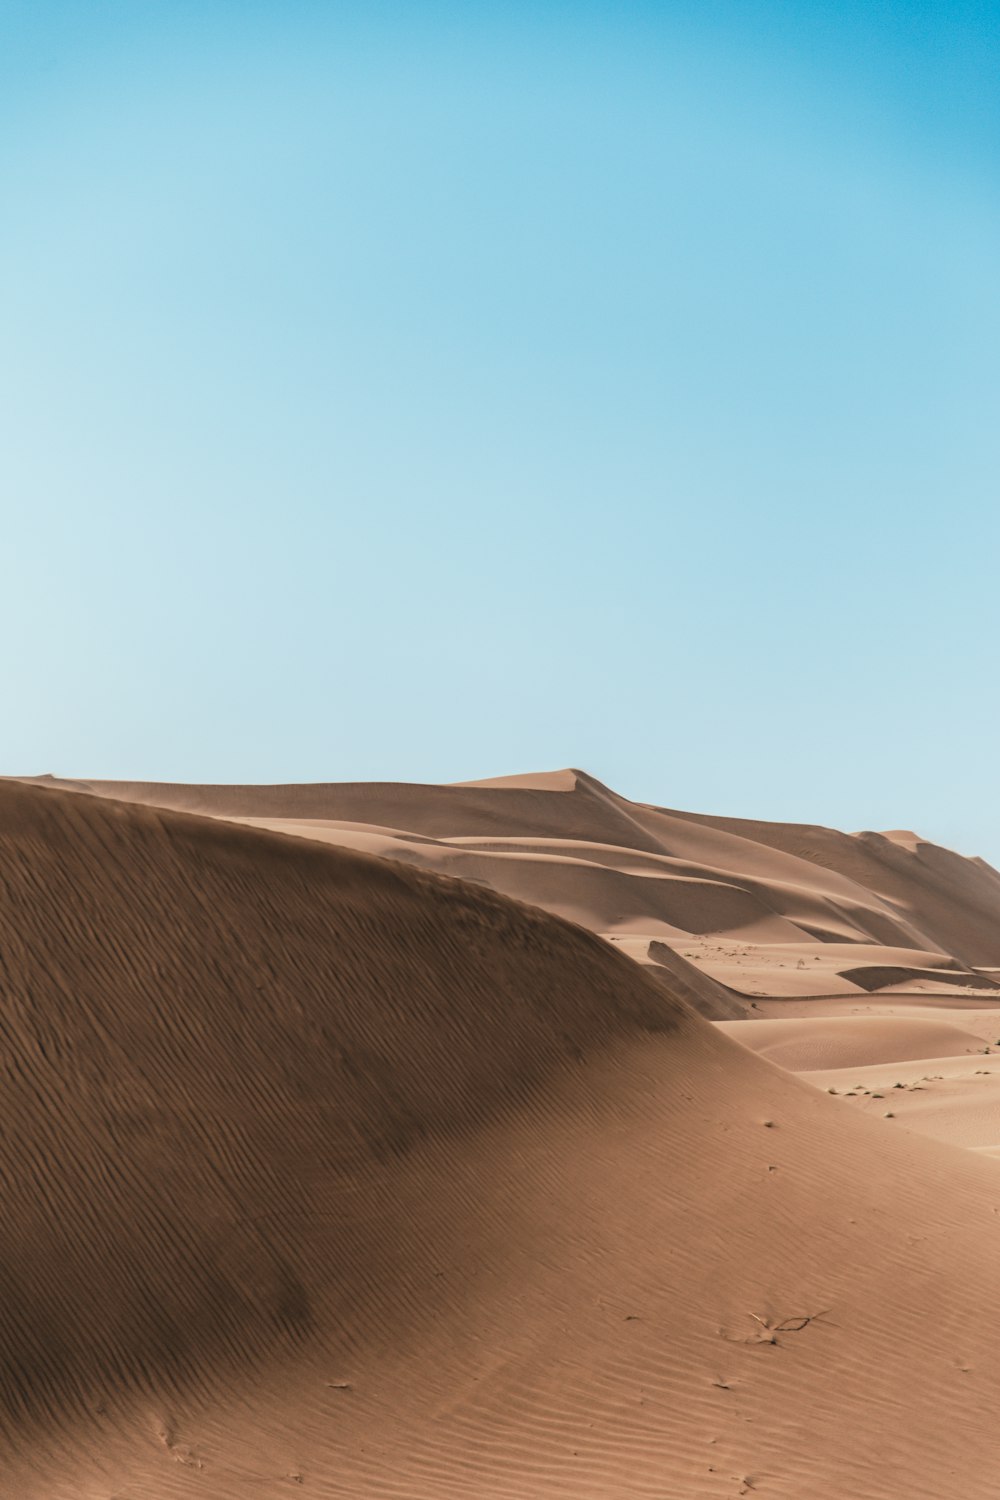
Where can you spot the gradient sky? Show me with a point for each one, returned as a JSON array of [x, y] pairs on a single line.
[[432, 391]]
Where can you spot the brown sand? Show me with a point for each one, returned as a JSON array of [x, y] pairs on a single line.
[[323, 1171]]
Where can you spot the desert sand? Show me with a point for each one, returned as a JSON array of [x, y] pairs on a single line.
[[508, 1139]]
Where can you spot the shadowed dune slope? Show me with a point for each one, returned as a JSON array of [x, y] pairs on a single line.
[[199, 1020], [321, 1171]]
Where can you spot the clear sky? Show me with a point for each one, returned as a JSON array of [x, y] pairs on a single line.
[[433, 391]]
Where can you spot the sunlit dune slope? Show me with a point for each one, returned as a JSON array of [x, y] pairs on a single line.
[[323, 1172]]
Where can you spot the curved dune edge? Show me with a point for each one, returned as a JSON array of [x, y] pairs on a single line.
[[322, 1172]]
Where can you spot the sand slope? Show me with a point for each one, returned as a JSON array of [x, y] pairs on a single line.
[[321, 1172]]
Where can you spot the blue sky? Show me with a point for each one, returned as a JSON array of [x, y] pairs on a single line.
[[436, 391]]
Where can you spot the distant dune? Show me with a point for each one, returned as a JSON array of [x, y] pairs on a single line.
[[330, 1172]]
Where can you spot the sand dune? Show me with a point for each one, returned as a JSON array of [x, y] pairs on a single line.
[[323, 1171], [762, 909]]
